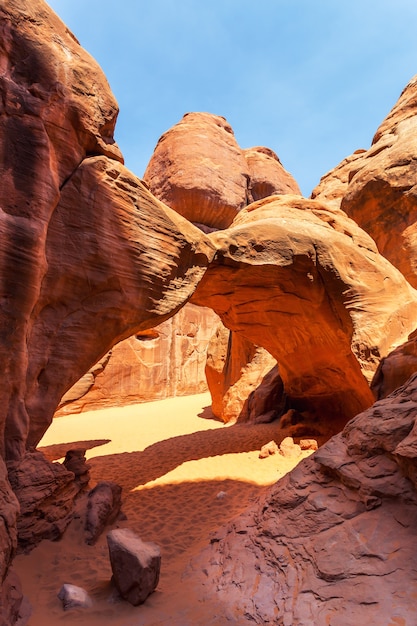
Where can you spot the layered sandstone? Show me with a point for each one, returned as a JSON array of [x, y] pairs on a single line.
[[159, 363], [305, 282], [334, 541]]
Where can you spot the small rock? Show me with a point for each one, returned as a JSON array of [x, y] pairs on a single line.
[[268, 449], [308, 444], [74, 597], [103, 508], [75, 462], [289, 449], [135, 565], [221, 495]]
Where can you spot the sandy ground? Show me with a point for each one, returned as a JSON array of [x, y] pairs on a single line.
[[183, 474]]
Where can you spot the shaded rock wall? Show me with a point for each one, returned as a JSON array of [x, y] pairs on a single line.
[[163, 362], [334, 541]]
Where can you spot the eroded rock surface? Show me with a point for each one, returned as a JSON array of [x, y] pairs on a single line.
[[335, 541], [158, 363], [199, 170], [377, 187], [243, 379], [305, 282]]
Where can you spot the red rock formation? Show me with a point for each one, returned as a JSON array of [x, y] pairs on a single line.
[[267, 175], [334, 541], [88, 256], [160, 363], [243, 379], [305, 282], [396, 368], [380, 192], [199, 170]]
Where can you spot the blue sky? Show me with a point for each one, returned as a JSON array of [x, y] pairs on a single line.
[[310, 79]]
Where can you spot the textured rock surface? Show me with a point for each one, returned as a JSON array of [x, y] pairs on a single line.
[[160, 363], [199, 170], [396, 368], [103, 508], [135, 565], [335, 541], [267, 174], [67, 300], [306, 283], [243, 379], [46, 493], [377, 187], [73, 597]]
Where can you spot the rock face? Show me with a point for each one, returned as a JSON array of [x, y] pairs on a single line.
[[163, 362], [267, 175], [135, 565], [243, 379], [46, 493], [335, 540], [396, 368], [88, 256], [199, 170], [309, 286], [380, 194]]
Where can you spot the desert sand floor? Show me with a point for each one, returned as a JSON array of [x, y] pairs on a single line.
[[183, 473]]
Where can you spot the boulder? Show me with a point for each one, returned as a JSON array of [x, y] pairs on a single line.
[[303, 281], [75, 462], [46, 493], [289, 449], [135, 565], [73, 597], [199, 170], [268, 449], [267, 175], [103, 508], [334, 541]]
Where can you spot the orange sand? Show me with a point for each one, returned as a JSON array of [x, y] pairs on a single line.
[[172, 460]]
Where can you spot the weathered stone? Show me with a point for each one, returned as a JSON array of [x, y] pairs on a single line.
[[310, 287], [289, 449], [103, 508], [267, 175], [268, 449], [396, 368], [135, 565], [13, 607], [158, 363], [243, 379], [73, 597], [335, 540], [46, 493], [377, 187], [75, 462], [308, 444], [199, 170]]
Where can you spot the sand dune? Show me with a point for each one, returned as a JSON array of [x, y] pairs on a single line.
[[183, 474]]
